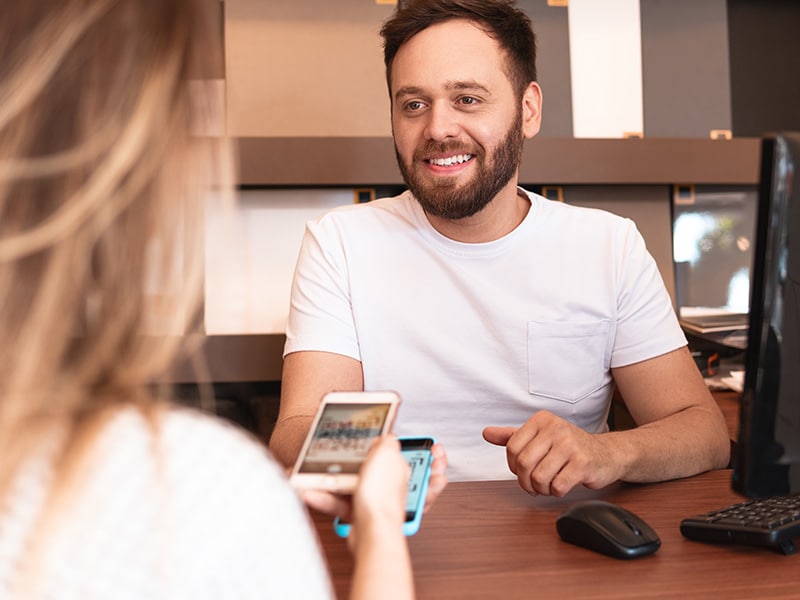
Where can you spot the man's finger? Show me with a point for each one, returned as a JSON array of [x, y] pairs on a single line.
[[498, 436]]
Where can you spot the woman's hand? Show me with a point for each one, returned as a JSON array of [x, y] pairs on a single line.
[[342, 506]]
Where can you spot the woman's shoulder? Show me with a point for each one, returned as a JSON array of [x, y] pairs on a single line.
[[175, 487], [184, 440]]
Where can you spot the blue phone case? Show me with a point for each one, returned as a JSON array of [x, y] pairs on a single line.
[[417, 487]]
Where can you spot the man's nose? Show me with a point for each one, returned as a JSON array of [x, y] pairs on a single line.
[[442, 123]]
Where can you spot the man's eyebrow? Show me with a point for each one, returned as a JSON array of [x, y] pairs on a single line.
[[467, 85], [408, 90], [411, 90]]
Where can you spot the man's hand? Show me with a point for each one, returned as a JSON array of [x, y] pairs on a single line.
[[438, 480], [550, 456]]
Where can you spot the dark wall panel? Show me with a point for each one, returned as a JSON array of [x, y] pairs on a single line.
[[765, 65], [685, 69]]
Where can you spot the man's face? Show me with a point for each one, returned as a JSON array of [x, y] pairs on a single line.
[[456, 120]]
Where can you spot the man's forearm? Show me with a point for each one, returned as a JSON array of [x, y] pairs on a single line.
[[287, 438], [681, 445], [306, 378]]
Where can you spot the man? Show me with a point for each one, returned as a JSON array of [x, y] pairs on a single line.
[[491, 310]]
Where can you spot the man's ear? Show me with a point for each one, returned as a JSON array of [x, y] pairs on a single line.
[[531, 110]]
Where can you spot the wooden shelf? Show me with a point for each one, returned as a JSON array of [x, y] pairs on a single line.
[[370, 161]]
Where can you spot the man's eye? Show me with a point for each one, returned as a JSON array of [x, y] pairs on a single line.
[[414, 105], [468, 100]]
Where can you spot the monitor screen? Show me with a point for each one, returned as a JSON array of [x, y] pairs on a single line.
[[712, 237], [767, 459]]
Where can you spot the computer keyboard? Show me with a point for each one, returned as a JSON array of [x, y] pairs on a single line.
[[771, 522]]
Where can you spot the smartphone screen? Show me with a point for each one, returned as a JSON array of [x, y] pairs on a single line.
[[342, 433], [417, 453], [343, 437]]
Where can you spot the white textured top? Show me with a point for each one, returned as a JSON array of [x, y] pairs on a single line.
[[482, 334], [200, 511]]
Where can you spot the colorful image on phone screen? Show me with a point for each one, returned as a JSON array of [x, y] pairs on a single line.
[[343, 438]]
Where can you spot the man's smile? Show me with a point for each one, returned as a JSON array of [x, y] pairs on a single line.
[[447, 161]]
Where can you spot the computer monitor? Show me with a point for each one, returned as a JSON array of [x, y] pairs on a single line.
[[767, 458]]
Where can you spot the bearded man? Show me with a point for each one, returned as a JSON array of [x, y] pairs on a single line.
[[504, 320]]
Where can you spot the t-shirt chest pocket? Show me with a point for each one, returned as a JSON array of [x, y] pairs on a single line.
[[567, 360]]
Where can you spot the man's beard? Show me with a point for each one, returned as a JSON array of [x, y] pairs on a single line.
[[448, 200]]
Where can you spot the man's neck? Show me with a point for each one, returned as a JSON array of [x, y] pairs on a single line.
[[499, 218]]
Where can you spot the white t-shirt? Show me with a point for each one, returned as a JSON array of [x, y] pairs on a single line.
[[213, 517], [472, 335]]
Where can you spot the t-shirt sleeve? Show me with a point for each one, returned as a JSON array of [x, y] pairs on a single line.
[[320, 312], [647, 325]]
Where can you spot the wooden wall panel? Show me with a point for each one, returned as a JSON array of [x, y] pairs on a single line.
[[312, 68]]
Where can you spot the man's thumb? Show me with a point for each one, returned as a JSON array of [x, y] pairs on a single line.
[[498, 436]]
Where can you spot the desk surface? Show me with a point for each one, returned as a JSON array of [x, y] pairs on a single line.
[[491, 540]]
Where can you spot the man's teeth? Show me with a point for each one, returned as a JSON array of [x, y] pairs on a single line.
[[451, 160]]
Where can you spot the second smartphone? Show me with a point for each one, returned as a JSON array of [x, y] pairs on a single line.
[[417, 452]]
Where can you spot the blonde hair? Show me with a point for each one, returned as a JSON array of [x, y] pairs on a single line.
[[102, 187]]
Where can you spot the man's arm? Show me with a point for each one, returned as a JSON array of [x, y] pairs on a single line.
[[681, 432], [681, 429], [306, 378]]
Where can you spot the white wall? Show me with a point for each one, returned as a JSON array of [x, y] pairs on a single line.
[[605, 44], [250, 257]]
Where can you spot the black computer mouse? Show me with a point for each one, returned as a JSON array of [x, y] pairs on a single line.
[[607, 528]]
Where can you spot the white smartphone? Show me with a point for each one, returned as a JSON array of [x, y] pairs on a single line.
[[340, 438]]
